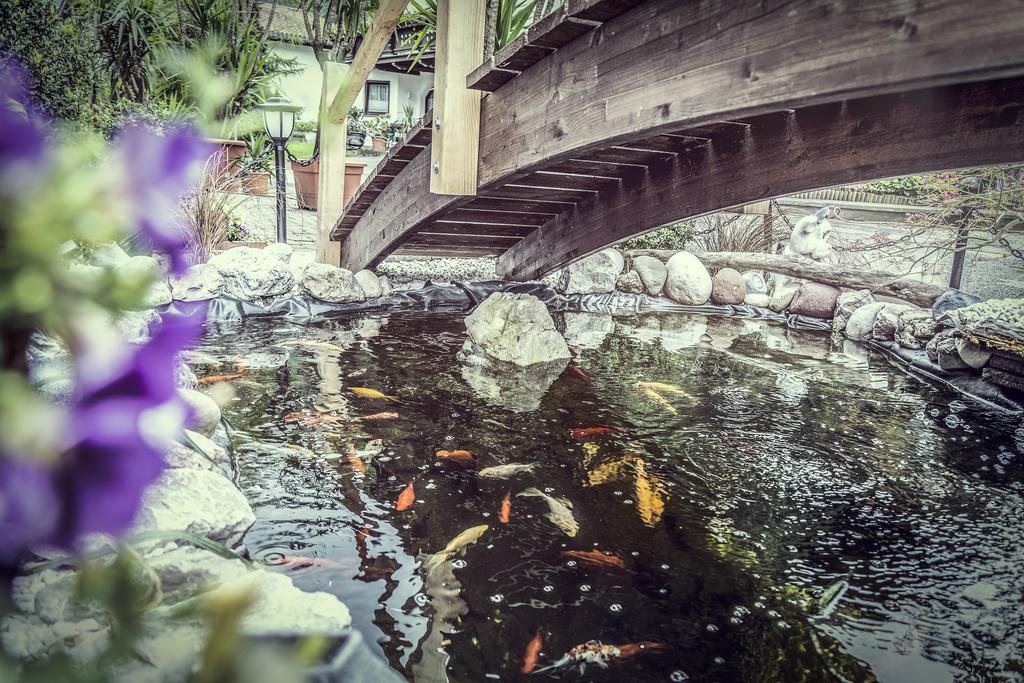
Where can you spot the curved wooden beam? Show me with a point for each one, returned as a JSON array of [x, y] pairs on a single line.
[[928, 130]]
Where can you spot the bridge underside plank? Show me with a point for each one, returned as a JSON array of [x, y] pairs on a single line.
[[824, 145]]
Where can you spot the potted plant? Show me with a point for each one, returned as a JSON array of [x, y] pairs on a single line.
[[356, 129], [380, 131], [240, 236], [256, 166]]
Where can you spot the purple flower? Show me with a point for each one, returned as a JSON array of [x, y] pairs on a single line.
[[21, 145], [158, 170], [28, 506]]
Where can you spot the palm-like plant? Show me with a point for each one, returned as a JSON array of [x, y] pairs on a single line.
[[129, 31], [507, 19]]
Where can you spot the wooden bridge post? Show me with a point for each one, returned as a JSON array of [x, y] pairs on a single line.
[[454, 149], [331, 183]]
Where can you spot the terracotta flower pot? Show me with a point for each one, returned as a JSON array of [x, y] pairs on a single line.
[[380, 145], [256, 183], [307, 183], [231, 245], [231, 154]]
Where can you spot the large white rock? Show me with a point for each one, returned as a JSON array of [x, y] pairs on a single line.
[[595, 274], [205, 412], [385, 286], [862, 321], [196, 500], [370, 283], [142, 268], [199, 283], [109, 255], [887, 321], [214, 458], [134, 325], [515, 328], [652, 273], [281, 250], [331, 284], [782, 295], [252, 273], [186, 570], [687, 280]]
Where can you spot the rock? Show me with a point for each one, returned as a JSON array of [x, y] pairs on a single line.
[[756, 283], [815, 300], [946, 356], [585, 330], [331, 284], [630, 283], [205, 412], [134, 326], [199, 283], [185, 570], [862, 321], [846, 304], [972, 354], [915, 328], [298, 262], [253, 273], [109, 255], [997, 323], [281, 250], [146, 268], [783, 295], [60, 391], [1007, 363], [758, 300], [594, 274], [728, 287], [1003, 379], [886, 321], [516, 329], [85, 274], [652, 273], [385, 286], [184, 378], [616, 256], [182, 455], [952, 300], [687, 280], [196, 500], [369, 283]]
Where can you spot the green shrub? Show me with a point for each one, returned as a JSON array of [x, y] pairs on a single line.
[[673, 236]]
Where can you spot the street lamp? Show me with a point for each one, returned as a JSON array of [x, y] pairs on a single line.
[[279, 120]]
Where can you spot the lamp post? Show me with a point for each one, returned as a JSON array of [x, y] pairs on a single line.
[[279, 120]]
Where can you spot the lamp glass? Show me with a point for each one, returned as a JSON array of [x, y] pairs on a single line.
[[279, 117]]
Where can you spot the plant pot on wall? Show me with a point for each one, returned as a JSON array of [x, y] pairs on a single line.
[[307, 183], [380, 145], [231, 153], [355, 139]]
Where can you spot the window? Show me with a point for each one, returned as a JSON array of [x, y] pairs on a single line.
[[378, 97], [428, 103]]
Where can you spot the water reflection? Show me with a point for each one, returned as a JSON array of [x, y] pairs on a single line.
[[796, 465]]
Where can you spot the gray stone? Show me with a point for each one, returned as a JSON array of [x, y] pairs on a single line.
[[369, 283], [298, 262], [109, 255], [281, 250], [141, 269], [972, 354], [331, 284], [915, 328], [652, 273], [815, 300], [185, 570], [134, 326], [1003, 378], [630, 283], [200, 282], [952, 300], [205, 412], [783, 295], [862, 321], [886, 321], [846, 304], [728, 287], [385, 286], [687, 281], [196, 500], [756, 284], [998, 323], [516, 329], [60, 391], [758, 300], [182, 455], [1007, 363], [253, 273], [594, 274], [184, 378]]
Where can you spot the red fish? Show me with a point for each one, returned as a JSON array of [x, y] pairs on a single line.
[[532, 653], [506, 508], [406, 498], [579, 373], [596, 558], [459, 456], [632, 649], [213, 379], [580, 433]]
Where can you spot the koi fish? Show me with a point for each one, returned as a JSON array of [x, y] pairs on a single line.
[[575, 370], [371, 393], [596, 652], [214, 379], [406, 498], [596, 558], [460, 456], [376, 416], [456, 545], [581, 433], [310, 419], [357, 463], [532, 653], [506, 508], [559, 511], [300, 562], [506, 471], [326, 346], [658, 398], [661, 387]]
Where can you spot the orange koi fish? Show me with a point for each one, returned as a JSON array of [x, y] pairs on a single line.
[[357, 463], [310, 419], [300, 562], [580, 433], [601, 654], [506, 508], [532, 653], [406, 498], [460, 456], [214, 379], [376, 416], [575, 370], [596, 558]]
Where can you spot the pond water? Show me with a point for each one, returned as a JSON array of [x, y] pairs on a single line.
[[786, 510]]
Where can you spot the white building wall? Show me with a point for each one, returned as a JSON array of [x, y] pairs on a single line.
[[304, 88]]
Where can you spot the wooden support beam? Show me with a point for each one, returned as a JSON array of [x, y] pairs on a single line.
[[886, 284], [376, 38], [460, 47], [826, 145], [331, 181]]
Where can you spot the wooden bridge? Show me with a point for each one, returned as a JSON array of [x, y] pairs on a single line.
[[609, 118]]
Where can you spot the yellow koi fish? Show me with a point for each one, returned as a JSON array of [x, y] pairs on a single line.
[[327, 346], [456, 545], [371, 393]]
